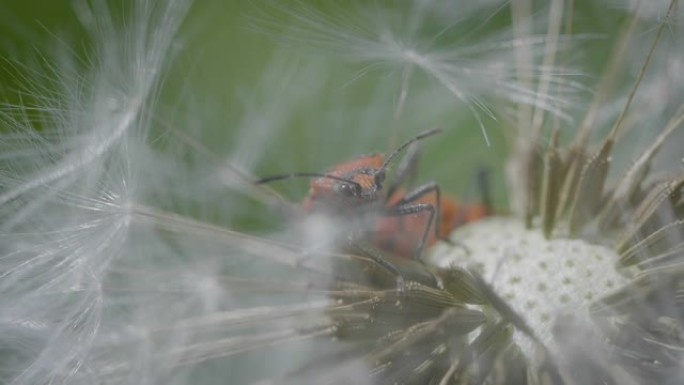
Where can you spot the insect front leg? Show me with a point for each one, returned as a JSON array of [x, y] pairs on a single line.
[[408, 209], [420, 192]]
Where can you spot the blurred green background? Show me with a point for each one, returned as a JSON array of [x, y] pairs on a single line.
[[275, 108]]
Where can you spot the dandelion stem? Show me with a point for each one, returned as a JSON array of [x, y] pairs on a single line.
[[606, 85], [642, 71], [556, 16]]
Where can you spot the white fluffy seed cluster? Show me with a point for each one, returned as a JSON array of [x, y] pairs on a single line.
[[539, 278]]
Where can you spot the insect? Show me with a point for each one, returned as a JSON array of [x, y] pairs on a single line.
[[355, 191], [399, 235], [403, 223]]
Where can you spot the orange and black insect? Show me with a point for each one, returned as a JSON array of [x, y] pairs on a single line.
[[399, 235], [404, 223]]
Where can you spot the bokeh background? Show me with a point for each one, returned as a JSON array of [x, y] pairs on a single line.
[[244, 76], [272, 105]]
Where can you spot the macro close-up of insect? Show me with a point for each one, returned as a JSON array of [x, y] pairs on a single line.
[[396, 220], [271, 192]]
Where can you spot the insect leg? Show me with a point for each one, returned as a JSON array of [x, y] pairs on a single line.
[[407, 209], [420, 192], [387, 265]]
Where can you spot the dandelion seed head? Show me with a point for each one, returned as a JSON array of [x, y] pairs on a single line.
[[130, 256], [68, 188], [414, 41], [320, 230], [541, 279]]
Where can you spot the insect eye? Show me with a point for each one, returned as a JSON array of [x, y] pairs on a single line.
[[348, 189]]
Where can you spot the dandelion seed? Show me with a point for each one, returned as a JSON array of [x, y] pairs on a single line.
[[123, 258], [473, 73]]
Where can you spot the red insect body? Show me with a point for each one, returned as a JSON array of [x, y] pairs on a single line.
[[395, 220], [400, 235], [326, 190]]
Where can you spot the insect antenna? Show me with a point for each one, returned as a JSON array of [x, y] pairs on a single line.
[[274, 178], [399, 149]]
